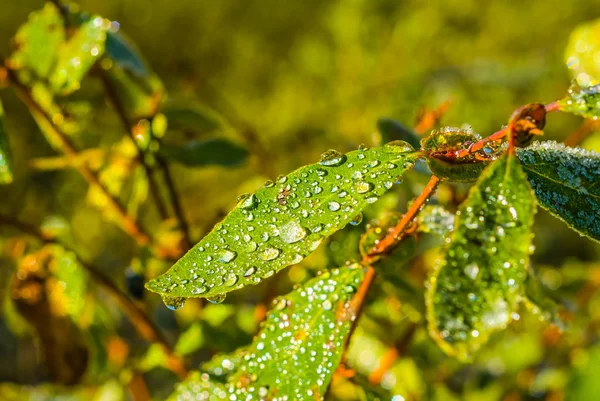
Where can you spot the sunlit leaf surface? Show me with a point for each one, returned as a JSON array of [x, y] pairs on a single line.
[[296, 352], [38, 40], [285, 221], [476, 289], [566, 182]]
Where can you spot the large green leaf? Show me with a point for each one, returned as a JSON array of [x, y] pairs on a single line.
[[123, 52], [193, 118], [38, 40], [285, 221], [296, 352], [78, 55], [474, 291], [214, 151], [6, 176], [566, 182]]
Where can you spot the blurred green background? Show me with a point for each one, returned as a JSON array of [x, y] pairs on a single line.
[[290, 80]]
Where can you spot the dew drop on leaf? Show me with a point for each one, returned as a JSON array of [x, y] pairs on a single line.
[[173, 303], [226, 256], [217, 299], [331, 158], [334, 206], [292, 232], [270, 254]]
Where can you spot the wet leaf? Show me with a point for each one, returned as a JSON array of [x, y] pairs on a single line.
[[441, 146], [296, 351], [6, 175], [78, 55], [38, 40], [285, 221], [192, 118], [208, 152], [566, 182], [583, 101], [392, 130], [581, 53], [476, 289]]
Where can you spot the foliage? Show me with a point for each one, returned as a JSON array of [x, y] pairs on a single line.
[[343, 283]]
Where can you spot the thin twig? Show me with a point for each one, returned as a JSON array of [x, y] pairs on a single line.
[[129, 225], [175, 201], [142, 323], [577, 136]]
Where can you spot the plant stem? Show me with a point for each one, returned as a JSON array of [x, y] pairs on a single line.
[[142, 323], [577, 136], [175, 201], [128, 224], [113, 99], [396, 233]]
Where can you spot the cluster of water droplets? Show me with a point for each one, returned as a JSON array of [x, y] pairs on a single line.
[[285, 221], [475, 290], [296, 352], [584, 101]]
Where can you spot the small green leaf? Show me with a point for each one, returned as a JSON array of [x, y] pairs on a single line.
[[78, 55], [584, 102], [193, 118], [392, 130], [214, 151], [476, 289], [6, 175], [285, 221], [440, 147], [566, 182], [124, 52], [37, 41], [296, 352]]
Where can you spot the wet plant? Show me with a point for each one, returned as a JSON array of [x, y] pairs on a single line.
[[481, 278]]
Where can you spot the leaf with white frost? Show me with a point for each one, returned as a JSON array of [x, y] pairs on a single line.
[[284, 221], [566, 182], [296, 352], [476, 289]]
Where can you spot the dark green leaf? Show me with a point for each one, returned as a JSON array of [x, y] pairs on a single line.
[[123, 52], [285, 221], [37, 42], [78, 55], [476, 289], [191, 118], [392, 130], [6, 176], [584, 102], [566, 182], [296, 351], [214, 151]]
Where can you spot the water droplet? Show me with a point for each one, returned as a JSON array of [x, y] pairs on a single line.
[[281, 179], [217, 299], [231, 280], [472, 270], [398, 147], [247, 201], [270, 253], [334, 206], [251, 270], [327, 305], [251, 246], [173, 303], [225, 255], [357, 219], [292, 232], [332, 158], [362, 187], [269, 184]]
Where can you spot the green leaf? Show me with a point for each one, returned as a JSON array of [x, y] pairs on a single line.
[[296, 352], [78, 55], [566, 182], [581, 53], [38, 40], [474, 291], [207, 152], [6, 175], [584, 101], [440, 147], [392, 130], [285, 221], [124, 52], [193, 118]]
